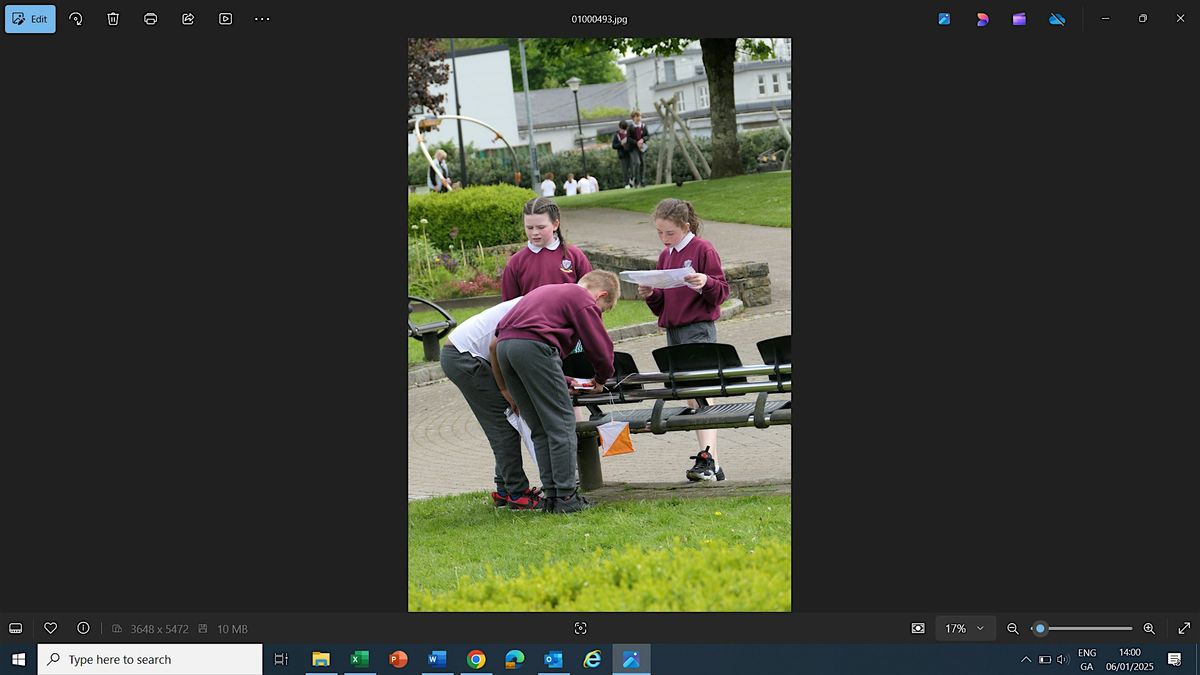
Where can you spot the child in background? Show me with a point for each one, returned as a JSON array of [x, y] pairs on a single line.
[[465, 361], [527, 353], [595, 183], [585, 186], [571, 187], [689, 313], [548, 186]]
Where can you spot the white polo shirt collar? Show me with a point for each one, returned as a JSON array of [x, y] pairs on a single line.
[[684, 242], [553, 246]]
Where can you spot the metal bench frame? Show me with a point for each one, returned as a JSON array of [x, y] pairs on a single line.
[[430, 334], [659, 419]]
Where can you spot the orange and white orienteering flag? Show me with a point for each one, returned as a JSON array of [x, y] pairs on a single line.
[[614, 438]]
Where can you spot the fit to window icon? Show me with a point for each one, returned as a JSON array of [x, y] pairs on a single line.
[[113, 17]]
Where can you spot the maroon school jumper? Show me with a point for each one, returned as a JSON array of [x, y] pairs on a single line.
[[527, 270], [560, 315], [680, 306]]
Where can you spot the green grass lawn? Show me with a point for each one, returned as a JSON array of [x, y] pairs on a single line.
[[465, 555], [759, 199]]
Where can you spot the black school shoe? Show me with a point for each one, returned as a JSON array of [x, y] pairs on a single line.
[[705, 468], [569, 504]]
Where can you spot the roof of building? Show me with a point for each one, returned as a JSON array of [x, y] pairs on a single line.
[[477, 50], [555, 107], [737, 68]]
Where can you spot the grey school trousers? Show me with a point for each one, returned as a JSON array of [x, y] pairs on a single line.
[[473, 377], [533, 373]]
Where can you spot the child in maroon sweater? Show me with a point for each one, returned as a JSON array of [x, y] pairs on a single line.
[[547, 258], [689, 313], [527, 354]]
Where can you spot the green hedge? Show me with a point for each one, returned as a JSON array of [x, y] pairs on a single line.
[[603, 164], [485, 215], [636, 579]]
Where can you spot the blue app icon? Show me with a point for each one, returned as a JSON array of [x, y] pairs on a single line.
[[631, 660], [437, 659], [553, 659], [1057, 19], [943, 18]]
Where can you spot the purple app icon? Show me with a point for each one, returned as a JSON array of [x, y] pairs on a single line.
[[1019, 19]]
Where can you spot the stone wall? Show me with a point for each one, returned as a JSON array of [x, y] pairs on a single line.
[[748, 281]]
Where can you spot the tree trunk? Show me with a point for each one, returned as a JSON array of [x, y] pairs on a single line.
[[719, 56]]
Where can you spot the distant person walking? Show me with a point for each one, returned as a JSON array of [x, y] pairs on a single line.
[[640, 136], [548, 186], [621, 143]]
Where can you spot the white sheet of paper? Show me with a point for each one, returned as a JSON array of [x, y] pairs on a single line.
[[658, 278], [522, 428]]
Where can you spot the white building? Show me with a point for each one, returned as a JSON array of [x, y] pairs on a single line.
[[484, 82], [556, 121]]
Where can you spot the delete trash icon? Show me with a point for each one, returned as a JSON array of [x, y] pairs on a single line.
[[113, 17]]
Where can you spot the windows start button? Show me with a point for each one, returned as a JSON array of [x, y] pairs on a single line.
[[29, 19]]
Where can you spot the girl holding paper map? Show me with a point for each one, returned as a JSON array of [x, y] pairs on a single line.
[[689, 312]]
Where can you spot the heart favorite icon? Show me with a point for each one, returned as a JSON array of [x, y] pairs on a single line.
[[50, 627]]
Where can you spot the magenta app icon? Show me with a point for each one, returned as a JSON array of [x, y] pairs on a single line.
[[983, 19], [1019, 19]]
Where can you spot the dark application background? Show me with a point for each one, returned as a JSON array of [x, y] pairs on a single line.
[[992, 241]]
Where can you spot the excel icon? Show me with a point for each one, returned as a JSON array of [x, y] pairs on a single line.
[[360, 658]]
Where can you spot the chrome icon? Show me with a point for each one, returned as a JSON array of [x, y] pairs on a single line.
[[983, 19], [514, 659], [476, 659]]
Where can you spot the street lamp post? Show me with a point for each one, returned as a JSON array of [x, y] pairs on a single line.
[[574, 83]]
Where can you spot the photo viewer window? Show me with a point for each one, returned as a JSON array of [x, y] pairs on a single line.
[[972, 230]]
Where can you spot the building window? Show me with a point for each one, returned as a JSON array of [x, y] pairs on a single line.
[[787, 48], [789, 79], [699, 69], [775, 82], [670, 67], [682, 105], [702, 97], [762, 85]]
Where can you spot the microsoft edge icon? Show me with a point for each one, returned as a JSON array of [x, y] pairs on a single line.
[[514, 659], [943, 18]]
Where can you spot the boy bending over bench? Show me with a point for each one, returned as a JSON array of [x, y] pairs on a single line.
[[527, 354]]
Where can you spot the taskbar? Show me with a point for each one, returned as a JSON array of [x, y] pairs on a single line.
[[532, 657]]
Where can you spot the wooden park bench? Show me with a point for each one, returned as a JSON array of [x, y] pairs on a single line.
[[690, 371], [430, 334]]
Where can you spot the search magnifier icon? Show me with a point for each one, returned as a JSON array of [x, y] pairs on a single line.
[[53, 658], [1149, 628], [1012, 628]]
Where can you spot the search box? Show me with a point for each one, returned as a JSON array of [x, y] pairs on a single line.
[[149, 659]]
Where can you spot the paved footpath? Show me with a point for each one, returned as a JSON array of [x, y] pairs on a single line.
[[448, 454], [736, 241]]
